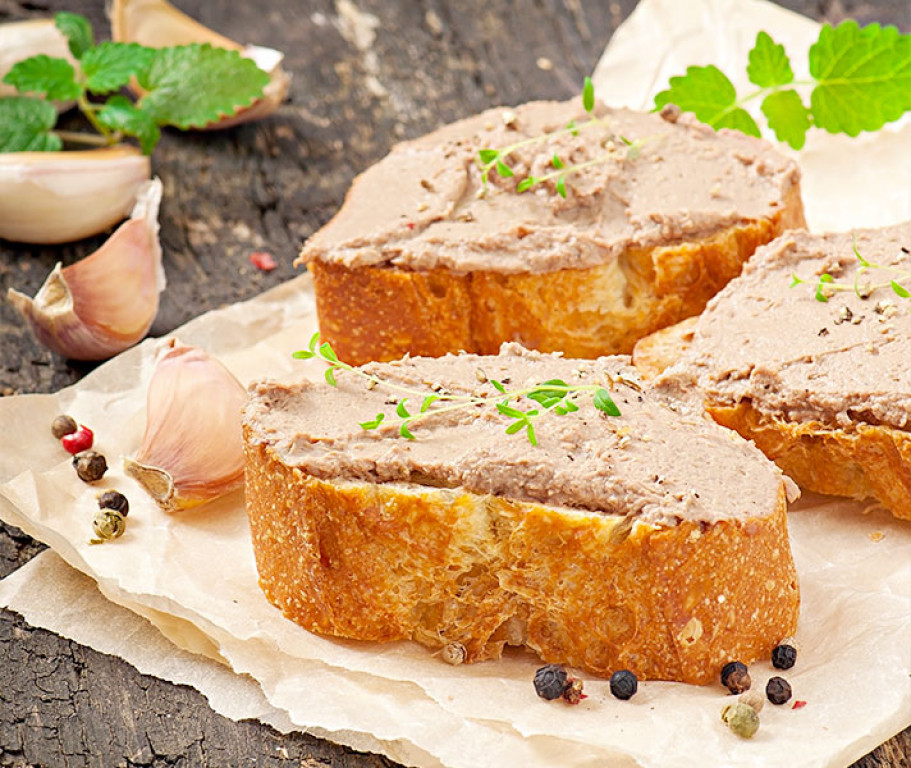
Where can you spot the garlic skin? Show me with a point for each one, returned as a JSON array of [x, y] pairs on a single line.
[[192, 449], [97, 307], [59, 197], [158, 24], [21, 39]]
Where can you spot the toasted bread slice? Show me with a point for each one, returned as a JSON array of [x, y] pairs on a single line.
[[654, 541], [424, 259], [823, 387]]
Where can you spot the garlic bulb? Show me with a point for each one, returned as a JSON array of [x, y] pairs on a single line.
[[21, 39], [158, 24], [97, 307], [58, 197], [192, 449]]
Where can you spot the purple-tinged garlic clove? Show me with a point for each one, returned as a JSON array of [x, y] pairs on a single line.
[[59, 197], [105, 303], [158, 24], [192, 449]]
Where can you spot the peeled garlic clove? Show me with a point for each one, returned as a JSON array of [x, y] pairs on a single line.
[[97, 307], [192, 449], [158, 24], [58, 197], [21, 39]]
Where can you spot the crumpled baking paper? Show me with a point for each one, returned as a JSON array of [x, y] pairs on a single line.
[[192, 576]]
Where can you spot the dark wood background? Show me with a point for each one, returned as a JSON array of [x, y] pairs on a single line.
[[268, 186]]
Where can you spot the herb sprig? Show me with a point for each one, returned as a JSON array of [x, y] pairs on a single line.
[[187, 86], [860, 80], [490, 160], [554, 395]]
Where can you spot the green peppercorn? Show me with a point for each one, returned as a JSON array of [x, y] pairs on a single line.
[[108, 524], [114, 500], [784, 656], [90, 466], [741, 719], [63, 425], [623, 684], [736, 677], [778, 690]]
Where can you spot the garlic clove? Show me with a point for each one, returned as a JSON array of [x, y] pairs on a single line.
[[99, 306], [158, 24], [21, 39], [192, 449], [58, 197]]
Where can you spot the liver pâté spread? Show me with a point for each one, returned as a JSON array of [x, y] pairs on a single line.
[[419, 207], [838, 362], [660, 461]]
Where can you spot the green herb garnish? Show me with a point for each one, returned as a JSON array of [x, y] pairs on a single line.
[[554, 395], [860, 80], [187, 86]]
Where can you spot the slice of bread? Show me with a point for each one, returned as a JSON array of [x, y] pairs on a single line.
[[654, 541], [822, 387], [423, 259]]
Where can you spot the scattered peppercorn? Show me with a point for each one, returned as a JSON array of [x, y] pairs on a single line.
[[778, 690], [108, 524], [63, 425], [453, 653], [551, 681], [736, 677], [741, 719], [754, 699], [114, 500], [90, 466], [572, 694], [623, 684], [78, 441], [784, 656]]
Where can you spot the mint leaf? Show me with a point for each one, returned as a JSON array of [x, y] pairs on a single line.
[[49, 75], [707, 93], [25, 125], [769, 65], [787, 116], [109, 66], [120, 114], [863, 77], [191, 86], [77, 31]]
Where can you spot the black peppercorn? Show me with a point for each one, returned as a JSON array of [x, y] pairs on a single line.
[[784, 656], [778, 690], [551, 681], [623, 684], [114, 500], [90, 466], [63, 425], [735, 677]]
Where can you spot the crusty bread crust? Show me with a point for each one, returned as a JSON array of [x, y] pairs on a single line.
[[383, 312], [393, 562], [661, 349]]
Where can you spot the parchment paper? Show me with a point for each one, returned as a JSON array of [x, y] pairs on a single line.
[[192, 576]]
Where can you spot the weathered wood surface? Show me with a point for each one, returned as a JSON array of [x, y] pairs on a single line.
[[366, 74]]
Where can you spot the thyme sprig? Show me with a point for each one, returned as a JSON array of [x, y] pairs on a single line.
[[490, 160], [826, 285], [554, 395]]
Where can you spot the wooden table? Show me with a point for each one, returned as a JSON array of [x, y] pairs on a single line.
[[366, 74]]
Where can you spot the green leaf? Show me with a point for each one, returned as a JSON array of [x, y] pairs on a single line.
[[327, 353], [508, 410], [526, 183], [515, 427], [863, 77], [787, 116], [52, 76], [707, 93], [302, 354], [823, 279], [191, 86], [25, 125], [401, 410], [110, 66], [604, 402], [77, 31], [498, 386], [796, 280], [120, 114], [375, 423], [532, 438], [488, 155], [330, 377], [769, 65], [544, 391], [561, 186], [900, 290], [571, 127], [404, 431], [503, 169], [556, 162], [588, 95], [314, 340], [428, 401]]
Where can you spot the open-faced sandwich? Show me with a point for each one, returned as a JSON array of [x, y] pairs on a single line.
[[561, 229], [520, 499], [808, 354]]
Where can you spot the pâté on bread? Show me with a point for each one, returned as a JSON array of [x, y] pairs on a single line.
[[424, 258], [654, 541], [817, 370]]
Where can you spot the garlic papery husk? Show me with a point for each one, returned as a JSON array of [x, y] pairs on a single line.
[[99, 306], [192, 449], [58, 197], [158, 24], [22, 39]]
